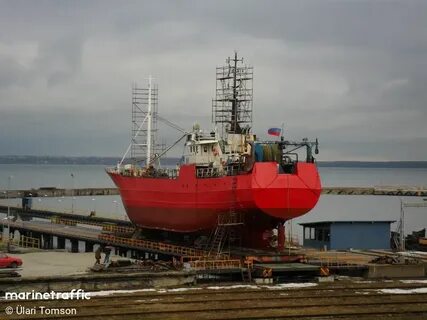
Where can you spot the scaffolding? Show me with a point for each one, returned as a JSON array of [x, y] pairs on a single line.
[[29, 242], [398, 238], [232, 106], [144, 123]]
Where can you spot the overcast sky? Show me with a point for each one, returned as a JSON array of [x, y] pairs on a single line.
[[352, 73]]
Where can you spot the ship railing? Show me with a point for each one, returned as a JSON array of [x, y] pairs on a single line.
[[232, 170], [124, 170], [208, 172], [135, 171], [167, 173]]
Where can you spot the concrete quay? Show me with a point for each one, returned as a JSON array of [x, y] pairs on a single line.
[[410, 191], [57, 192], [27, 214], [97, 282]]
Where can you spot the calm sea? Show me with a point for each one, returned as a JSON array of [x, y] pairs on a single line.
[[329, 207]]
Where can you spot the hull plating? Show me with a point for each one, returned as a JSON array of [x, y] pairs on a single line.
[[188, 204]]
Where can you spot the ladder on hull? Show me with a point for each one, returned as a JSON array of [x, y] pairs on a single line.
[[228, 226]]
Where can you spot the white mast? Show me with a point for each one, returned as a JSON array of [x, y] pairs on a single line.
[[144, 123], [149, 121]]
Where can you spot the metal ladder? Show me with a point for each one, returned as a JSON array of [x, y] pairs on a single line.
[[225, 231], [218, 240]]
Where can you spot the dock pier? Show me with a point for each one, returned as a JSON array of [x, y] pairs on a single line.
[[29, 213], [47, 229], [408, 191]]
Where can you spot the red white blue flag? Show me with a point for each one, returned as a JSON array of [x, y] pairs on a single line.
[[274, 132]]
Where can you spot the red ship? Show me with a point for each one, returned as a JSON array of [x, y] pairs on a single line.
[[227, 185]]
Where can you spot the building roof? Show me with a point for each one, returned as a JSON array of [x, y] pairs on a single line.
[[345, 222]]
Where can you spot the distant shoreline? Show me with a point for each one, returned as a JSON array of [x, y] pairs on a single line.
[[374, 164], [51, 160]]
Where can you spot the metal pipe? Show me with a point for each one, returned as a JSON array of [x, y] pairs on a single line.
[[149, 122], [402, 226], [9, 182], [170, 147], [72, 195]]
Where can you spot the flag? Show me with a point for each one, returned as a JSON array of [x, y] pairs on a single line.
[[274, 132]]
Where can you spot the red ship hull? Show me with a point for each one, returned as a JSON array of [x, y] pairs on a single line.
[[190, 204]]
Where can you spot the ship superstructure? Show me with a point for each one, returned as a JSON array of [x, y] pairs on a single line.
[[229, 186]]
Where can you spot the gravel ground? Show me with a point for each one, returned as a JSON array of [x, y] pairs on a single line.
[[296, 301], [53, 263]]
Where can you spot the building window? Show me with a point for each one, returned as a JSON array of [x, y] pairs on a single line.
[[306, 233]]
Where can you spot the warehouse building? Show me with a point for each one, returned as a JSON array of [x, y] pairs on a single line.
[[342, 235]]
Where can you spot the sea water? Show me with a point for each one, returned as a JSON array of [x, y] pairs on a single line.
[[329, 207]]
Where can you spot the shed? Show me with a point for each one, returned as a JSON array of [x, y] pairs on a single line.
[[342, 235]]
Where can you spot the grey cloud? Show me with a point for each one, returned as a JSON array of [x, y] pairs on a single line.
[[350, 72], [12, 73], [60, 59]]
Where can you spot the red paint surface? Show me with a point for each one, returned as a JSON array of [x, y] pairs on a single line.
[[188, 204]]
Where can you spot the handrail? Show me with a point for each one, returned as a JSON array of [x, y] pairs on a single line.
[[105, 227], [29, 242], [152, 245], [208, 172], [215, 264], [114, 228]]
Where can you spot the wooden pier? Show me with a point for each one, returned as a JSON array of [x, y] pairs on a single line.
[[27, 214], [409, 191], [83, 238], [85, 234], [56, 192]]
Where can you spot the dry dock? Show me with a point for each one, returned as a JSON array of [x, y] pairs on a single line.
[[82, 236]]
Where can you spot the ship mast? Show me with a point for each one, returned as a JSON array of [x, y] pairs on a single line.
[[143, 145], [235, 128], [232, 106], [149, 122]]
